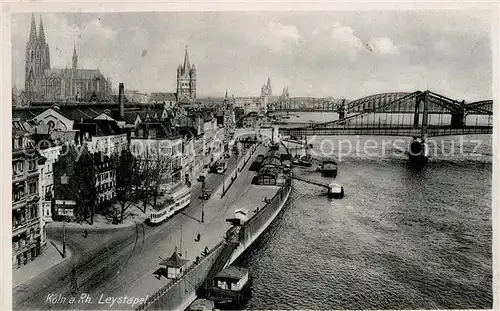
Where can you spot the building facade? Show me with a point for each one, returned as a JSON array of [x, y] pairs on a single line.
[[28, 231], [45, 84], [157, 141], [50, 153], [186, 80]]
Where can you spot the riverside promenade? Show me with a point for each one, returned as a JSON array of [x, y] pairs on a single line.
[[122, 264]]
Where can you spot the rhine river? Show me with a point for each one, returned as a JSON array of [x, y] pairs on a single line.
[[402, 237]]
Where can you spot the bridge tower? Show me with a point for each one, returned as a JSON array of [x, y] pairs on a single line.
[[417, 149], [458, 117], [342, 110]]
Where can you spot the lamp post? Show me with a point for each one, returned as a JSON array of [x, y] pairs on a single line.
[[64, 181], [202, 201]]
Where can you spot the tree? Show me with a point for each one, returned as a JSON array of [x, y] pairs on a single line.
[[153, 172], [75, 179], [128, 181]]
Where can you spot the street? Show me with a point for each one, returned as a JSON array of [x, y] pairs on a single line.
[[118, 260]]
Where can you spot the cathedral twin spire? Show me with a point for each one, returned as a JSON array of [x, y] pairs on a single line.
[[33, 33]]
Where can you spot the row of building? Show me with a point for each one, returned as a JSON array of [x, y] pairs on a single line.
[[196, 136]]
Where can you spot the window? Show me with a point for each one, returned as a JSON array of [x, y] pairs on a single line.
[[18, 192], [31, 165], [32, 187], [17, 167]]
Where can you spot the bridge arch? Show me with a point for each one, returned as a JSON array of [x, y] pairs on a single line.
[[372, 102]]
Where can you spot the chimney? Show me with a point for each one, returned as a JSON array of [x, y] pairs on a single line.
[[121, 99]]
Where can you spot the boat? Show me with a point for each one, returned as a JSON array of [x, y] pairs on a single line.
[[305, 161], [335, 191], [230, 288], [328, 168], [257, 163]]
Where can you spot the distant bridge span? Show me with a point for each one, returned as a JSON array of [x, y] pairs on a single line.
[[418, 114]]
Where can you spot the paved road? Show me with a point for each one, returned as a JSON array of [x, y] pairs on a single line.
[[110, 259]]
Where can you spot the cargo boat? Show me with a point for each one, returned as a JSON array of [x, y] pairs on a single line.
[[328, 168], [305, 161], [230, 288]]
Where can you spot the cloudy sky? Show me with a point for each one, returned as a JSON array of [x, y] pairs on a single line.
[[340, 54]]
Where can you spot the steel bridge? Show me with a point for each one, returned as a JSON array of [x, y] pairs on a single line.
[[418, 114], [297, 105]]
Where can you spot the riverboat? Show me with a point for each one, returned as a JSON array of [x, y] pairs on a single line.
[[178, 201], [230, 288], [257, 163], [305, 161], [335, 191], [328, 168]]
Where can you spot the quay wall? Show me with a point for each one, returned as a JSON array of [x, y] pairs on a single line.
[[254, 227], [179, 293]]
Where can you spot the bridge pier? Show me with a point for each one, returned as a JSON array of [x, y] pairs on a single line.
[[458, 119], [418, 151]]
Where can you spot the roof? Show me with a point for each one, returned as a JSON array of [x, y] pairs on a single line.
[[24, 114], [174, 261], [269, 170], [187, 131], [271, 161], [163, 97], [99, 127], [130, 116], [162, 129], [232, 273]]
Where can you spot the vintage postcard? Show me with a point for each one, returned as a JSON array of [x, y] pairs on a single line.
[[215, 156]]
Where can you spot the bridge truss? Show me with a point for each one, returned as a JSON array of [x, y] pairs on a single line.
[[418, 114]]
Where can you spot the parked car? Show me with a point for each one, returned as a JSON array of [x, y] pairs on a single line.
[[221, 167], [205, 195]]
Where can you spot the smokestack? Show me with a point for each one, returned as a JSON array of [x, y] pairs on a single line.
[[121, 100]]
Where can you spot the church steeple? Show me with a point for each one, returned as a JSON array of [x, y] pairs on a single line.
[[75, 57], [32, 37], [269, 89], [42, 33], [186, 66]]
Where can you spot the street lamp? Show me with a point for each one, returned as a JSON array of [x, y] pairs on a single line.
[[202, 199]]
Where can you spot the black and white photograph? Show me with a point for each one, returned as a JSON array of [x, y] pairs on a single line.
[[202, 158]]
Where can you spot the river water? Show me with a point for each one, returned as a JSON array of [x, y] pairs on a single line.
[[403, 237]]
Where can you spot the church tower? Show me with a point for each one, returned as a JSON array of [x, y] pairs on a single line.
[[75, 58], [37, 59], [31, 68], [186, 80]]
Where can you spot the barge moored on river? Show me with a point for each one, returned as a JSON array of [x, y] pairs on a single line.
[[328, 168], [230, 288]]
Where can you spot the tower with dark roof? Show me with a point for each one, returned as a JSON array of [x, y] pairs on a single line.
[[186, 80]]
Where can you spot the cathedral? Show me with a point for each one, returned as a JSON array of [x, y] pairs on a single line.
[[186, 80], [71, 84]]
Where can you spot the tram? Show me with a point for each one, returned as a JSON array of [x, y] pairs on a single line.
[[178, 201]]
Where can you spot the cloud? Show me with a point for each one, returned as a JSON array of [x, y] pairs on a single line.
[[345, 34], [383, 45], [278, 37], [314, 53]]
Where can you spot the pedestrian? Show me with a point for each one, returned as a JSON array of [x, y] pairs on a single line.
[[85, 233]]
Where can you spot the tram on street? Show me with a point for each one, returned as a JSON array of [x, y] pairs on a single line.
[[177, 202]]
